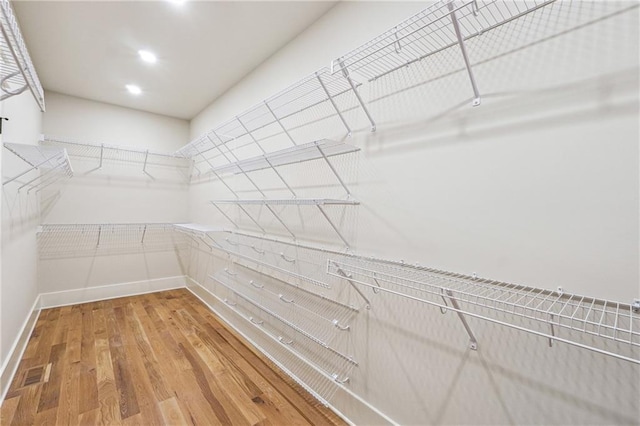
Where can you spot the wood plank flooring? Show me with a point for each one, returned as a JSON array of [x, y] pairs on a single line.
[[153, 359]]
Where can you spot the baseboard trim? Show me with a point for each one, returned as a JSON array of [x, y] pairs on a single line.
[[105, 292], [17, 349], [209, 299]]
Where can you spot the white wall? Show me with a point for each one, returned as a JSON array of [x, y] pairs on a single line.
[[538, 186], [97, 122], [20, 217], [118, 192]]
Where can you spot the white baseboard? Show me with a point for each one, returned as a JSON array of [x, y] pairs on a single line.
[[94, 294], [12, 362]]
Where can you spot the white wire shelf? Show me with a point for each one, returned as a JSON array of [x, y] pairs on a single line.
[[289, 202], [506, 304], [294, 329], [112, 153], [275, 114], [51, 163], [429, 32], [336, 371], [17, 72], [313, 318], [296, 154], [286, 273], [62, 240]]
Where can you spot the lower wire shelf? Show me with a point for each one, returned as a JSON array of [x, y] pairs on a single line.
[[322, 357], [541, 312]]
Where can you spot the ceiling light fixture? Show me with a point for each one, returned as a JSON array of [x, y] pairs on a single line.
[[177, 2], [147, 56], [133, 89]]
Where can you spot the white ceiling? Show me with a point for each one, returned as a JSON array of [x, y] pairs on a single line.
[[89, 48]]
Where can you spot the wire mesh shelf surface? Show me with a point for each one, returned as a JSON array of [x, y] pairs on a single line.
[[17, 72], [431, 31], [504, 303], [294, 329], [52, 164], [106, 152], [62, 240], [296, 154], [280, 114], [286, 302], [335, 369]]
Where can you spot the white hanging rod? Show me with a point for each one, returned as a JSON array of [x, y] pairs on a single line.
[[605, 319], [296, 154], [284, 321], [16, 68], [52, 163]]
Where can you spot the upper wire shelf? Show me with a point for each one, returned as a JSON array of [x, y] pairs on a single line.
[[429, 32], [51, 162], [296, 154], [275, 115], [105, 152], [17, 72], [505, 304]]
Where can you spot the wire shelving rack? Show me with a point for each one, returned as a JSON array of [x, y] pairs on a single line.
[[60, 240], [538, 311], [17, 72], [51, 164], [101, 153], [278, 117]]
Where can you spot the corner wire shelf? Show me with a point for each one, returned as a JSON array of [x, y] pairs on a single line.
[[56, 240], [509, 305], [273, 114], [17, 72], [52, 164], [103, 152], [199, 233], [296, 339]]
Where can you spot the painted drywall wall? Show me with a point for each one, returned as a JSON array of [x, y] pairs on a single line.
[[20, 218], [538, 186], [97, 122], [116, 192]]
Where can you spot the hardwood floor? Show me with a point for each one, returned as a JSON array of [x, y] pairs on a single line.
[[153, 359]]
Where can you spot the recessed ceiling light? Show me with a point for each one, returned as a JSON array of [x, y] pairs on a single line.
[[133, 89], [147, 56], [177, 2]]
